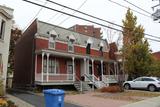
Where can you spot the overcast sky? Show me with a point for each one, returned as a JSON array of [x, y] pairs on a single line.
[[25, 12]]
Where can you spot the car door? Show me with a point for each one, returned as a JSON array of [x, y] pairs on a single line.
[[146, 81], [136, 83]]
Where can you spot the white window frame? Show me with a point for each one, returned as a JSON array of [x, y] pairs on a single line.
[[71, 44], [2, 29], [52, 40]]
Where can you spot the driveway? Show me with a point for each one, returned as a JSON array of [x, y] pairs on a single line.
[[31, 98]]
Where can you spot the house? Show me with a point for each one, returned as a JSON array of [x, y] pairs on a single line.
[[48, 54], [87, 30], [156, 55], [6, 15]]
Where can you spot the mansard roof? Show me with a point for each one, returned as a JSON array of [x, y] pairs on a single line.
[[63, 34]]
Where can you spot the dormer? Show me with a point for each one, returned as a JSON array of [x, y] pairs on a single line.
[[88, 47], [52, 39], [71, 40]]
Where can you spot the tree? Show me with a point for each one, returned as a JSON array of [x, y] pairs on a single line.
[[136, 53], [15, 35]]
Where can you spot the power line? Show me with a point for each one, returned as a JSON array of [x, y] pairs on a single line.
[[128, 7], [84, 13], [95, 17], [74, 16], [35, 16], [138, 7], [73, 13]]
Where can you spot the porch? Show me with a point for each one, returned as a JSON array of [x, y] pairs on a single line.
[[57, 68]]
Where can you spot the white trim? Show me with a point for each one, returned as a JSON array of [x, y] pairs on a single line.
[[40, 37], [61, 41]]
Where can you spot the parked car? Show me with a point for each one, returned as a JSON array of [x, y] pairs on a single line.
[[149, 83]]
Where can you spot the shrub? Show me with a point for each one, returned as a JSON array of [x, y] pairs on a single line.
[[111, 89], [1, 88]]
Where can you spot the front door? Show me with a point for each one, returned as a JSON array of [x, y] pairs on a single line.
[[70, 72]]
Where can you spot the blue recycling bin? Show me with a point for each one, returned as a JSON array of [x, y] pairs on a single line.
[[54, 97]]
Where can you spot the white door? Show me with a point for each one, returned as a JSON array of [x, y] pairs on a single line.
[[137, 83], [70, 72]]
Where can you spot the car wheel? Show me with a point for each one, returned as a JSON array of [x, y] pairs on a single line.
[[127, 86], [151, 88]]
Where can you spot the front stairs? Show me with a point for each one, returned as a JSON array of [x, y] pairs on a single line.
[[82, 86]]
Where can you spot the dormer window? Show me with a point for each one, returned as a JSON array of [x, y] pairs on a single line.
[[52, 42], [71, 40], [101, 50], [52, 39], [88, 48], [70, 46]]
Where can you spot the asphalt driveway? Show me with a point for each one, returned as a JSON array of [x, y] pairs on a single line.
[[31, 98]]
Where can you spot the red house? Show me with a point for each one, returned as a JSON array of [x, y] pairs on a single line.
[[51, 55]]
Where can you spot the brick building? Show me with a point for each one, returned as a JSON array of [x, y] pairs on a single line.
[[87, 30], [51, 55]]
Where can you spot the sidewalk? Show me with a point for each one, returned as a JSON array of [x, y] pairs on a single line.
[[19, 102], [89, 100]]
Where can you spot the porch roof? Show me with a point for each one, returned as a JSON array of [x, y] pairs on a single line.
[[70, 55]]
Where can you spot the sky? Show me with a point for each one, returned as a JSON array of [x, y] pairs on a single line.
[[24, 13]]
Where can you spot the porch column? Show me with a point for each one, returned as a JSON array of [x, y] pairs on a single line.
[[84, 65], [73, 69], [35, 67], [47, 65], [42, 67], [85, 68], [102, 69], [93, 70]]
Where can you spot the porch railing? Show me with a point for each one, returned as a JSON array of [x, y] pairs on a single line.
[[53, 77]]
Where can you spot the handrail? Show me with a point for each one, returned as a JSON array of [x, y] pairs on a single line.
[[88, 77], [80, 82], [95, 78]]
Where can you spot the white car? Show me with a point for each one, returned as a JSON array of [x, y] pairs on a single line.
[[150, 83]]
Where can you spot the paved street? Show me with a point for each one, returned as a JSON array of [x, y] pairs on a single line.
[[37, 101]]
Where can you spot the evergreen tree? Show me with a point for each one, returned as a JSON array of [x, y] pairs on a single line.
[[136, 53]]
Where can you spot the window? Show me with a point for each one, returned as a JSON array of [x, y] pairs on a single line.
[[52, 39], [138, 79], [101, 50], [2, 29], [57, 66], [147, 79], [45, 65], [70, 46], [88, 48], [51, 66]]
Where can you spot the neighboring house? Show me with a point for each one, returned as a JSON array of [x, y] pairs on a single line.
[[6, 15], [156, 55], [87, 30], [51, 55]]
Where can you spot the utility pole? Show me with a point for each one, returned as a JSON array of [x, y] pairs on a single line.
[[156, 14]]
